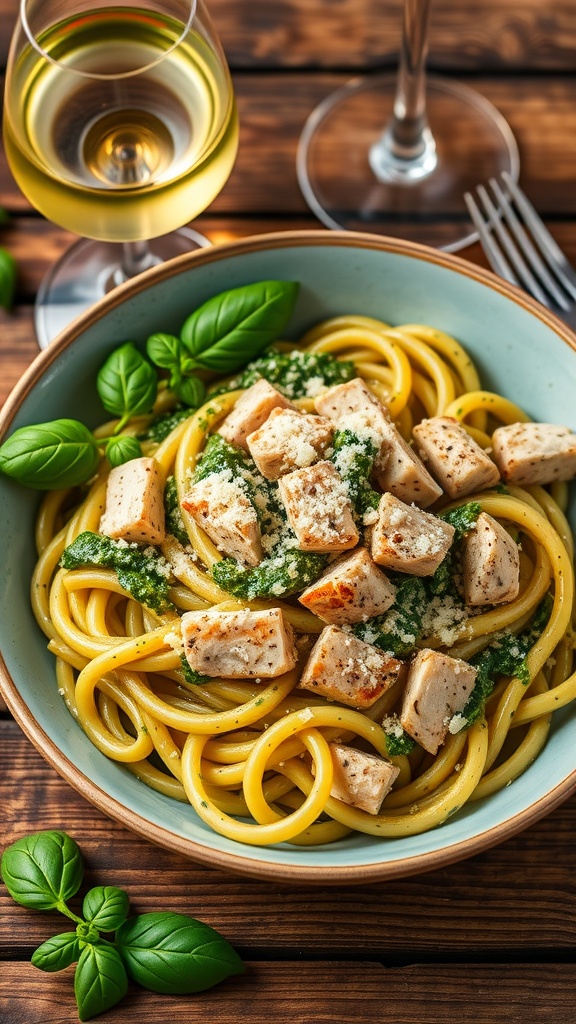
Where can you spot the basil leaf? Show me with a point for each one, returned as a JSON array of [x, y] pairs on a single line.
[[122, 449], [173, 953], [164, 350], [127, 383], [191, 391], [233, 327], [49, 456], [57, 953], [100, 980], [106, 907], [42, 871], [8, 273]]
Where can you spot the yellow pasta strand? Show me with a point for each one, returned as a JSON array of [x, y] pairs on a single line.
[[253, 757]]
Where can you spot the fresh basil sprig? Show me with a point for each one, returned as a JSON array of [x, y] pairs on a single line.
[[164, 952], [223, 334], [232, 328], [127, 384], [48, 456], [168, 352]]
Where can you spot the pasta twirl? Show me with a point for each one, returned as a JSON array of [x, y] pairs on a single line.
[[252, 756]]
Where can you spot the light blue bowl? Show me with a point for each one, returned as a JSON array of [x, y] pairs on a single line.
[[520, 350]]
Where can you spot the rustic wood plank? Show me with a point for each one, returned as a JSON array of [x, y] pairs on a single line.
[[516, 897], [355, 34], [305, 993]]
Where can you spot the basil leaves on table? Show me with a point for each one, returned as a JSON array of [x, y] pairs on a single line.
[[164, 952], [221, 335]]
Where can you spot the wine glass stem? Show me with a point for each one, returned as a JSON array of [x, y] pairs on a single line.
[[406, 151], [136, 257]]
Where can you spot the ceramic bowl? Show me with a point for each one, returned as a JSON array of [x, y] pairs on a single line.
[[521, 350]]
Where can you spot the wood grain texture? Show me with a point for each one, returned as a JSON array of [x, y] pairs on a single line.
[[360, 34], [322, 993]]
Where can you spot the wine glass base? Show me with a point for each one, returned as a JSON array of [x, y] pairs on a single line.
[[336, 162], [89, 270]]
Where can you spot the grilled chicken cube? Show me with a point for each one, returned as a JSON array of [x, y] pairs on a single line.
[[250, 411], [457, 462], [361, 779], [239, 645], [407, 539], [134, 509], [436, 693], [399, 471], [221, 508], [352, 406], [490, 564], [288, 440], [352, 589], [397, 468], [318, 508], [343, 668], [534, 453]]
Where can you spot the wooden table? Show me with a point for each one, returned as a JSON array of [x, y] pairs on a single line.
[[488, 940]]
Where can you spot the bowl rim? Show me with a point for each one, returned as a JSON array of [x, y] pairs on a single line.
[[263, 868]]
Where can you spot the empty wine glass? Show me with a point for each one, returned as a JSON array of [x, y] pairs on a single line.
[[394, 154], [120, 125]]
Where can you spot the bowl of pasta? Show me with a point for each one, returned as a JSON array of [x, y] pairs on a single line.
[[288, 557]]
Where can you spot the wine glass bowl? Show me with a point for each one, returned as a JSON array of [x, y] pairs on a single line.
[[120, 125]]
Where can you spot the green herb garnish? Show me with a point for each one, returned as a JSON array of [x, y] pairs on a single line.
[[504, 656], [164, 952], [295, 373], [353, 456], [141, 572], [285, 572], [399, 629], [234, 327]]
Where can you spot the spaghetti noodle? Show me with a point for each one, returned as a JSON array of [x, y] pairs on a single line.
[[253, 757]]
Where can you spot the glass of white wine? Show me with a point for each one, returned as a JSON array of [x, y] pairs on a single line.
[[120, 125]]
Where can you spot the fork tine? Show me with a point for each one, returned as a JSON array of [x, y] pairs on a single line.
[[496, 257], [529, 251], [525, 275], [556, 258]]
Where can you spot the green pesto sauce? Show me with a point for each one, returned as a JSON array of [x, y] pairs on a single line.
[[295, 374], [173, 512], [462, 518], [161, 426], [192, 677], [397, 746], [353, 456], [286, 572], [505, 656], [399, 629], [138, 572]]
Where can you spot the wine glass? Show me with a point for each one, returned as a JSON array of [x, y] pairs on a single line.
[[394, 154], [119, 124]]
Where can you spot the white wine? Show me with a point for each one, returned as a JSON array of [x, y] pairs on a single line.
[[121, 135]]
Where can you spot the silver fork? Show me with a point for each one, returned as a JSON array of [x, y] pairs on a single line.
[[521, 249]]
